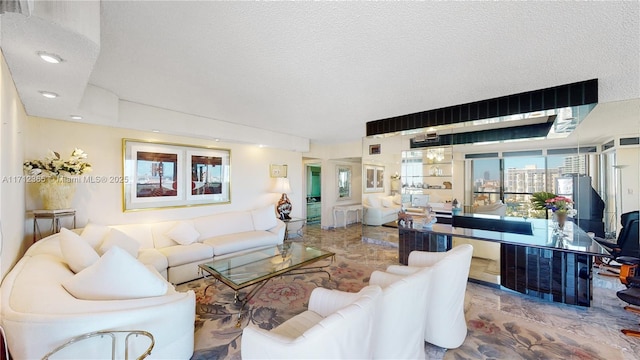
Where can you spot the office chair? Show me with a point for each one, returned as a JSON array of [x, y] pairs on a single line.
[[630, 295], [628, 243]]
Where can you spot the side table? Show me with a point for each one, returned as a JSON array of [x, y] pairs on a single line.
[[345, 209], [293, 220], [55, 216]]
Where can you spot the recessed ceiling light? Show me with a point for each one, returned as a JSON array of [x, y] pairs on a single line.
[[155, 130], [49, 94], [76, 117], [50, 58], [217, 140]]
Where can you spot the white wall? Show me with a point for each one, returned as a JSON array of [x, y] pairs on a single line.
[[102, 203], [630, 191], [12, 210]]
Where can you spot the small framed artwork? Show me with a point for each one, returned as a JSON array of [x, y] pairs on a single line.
[[374, 149], [277, 171], [161, 175], [373, 176]]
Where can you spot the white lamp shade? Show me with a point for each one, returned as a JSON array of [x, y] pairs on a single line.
[[281, 186]]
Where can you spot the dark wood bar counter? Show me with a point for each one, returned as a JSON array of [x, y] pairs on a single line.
[[534, 259]]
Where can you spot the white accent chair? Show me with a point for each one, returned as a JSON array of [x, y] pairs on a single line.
[[446, 325], [337, 325], [399, 324]]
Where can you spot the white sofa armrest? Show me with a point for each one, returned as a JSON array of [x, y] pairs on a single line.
[[425, 258], [384, 279], [279, 230], [324, 301], [402, 270]]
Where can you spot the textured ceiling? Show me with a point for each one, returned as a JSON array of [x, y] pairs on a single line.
[[321, 70]]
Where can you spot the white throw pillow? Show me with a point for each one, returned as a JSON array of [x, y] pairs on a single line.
[[183, 233], [375, 202], [115, 276], [264, 218], [118, 238], [397, 199], [77, 253], [93, 234], [387, 201]]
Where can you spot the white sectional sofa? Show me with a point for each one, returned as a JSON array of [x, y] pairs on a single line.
[[73, 283], [380, 209]]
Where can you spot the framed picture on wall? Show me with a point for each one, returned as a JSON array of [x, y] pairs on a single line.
[[276, 171], [373, 176], [374, 149], [159, 175]]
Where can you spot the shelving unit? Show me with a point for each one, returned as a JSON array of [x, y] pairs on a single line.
[[428, 171]]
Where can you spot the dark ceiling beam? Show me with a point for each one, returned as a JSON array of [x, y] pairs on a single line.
[[576, 94]]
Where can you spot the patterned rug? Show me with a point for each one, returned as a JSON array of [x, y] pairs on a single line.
[[495, 335], [218, 337], [492, 334]]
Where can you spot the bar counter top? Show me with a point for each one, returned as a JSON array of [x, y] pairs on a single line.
[[572, 238]]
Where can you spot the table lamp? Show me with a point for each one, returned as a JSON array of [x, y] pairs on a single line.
[[283, 208]]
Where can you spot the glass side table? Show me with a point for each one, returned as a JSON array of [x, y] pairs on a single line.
[[55, 216], [288, 226]]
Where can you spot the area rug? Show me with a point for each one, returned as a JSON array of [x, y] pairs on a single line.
[[492, 333], [496, 335], [216, 334]]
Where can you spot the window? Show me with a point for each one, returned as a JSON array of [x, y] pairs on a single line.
[[486, 181], [520, 177]]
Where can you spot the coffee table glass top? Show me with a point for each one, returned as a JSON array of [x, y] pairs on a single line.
[[249, 268]]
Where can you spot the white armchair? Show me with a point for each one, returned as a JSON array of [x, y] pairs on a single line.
[[446, 325], [337, 325], [399, 324]]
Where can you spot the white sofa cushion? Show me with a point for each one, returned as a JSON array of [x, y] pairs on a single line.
[[77, 253], [115, 276], [241, 241], [264, 218], [183, 233], [397, 199], [223, 224], [93, 234], [116, 237], [185, 254], [298, 325], [159, 232], [387, 201], [140, 232], [153, 257], [375, 201]]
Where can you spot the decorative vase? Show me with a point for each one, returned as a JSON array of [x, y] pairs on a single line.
[[57, 193], [284, 207], [559, 219]]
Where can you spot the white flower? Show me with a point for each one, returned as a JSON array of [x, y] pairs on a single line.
[[53, 165]]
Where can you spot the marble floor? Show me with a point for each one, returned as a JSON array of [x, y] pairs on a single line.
[[600, 323]]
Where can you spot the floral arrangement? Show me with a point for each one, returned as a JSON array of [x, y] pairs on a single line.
[[54, 166], [558, 204], [395, 176]]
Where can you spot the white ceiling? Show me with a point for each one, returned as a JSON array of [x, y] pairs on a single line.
[[321, 70]]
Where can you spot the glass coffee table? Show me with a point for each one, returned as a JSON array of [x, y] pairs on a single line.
[[260, 266]]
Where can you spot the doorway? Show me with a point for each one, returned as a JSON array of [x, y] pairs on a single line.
[[314, 191]]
